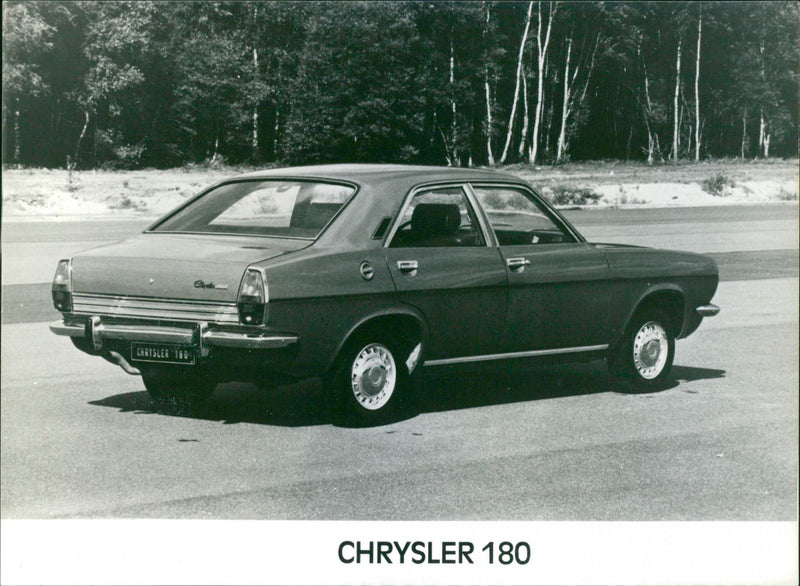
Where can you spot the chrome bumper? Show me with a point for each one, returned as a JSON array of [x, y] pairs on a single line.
[[98, 331], [709, 310]]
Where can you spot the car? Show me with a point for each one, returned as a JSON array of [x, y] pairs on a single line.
[[366, 276]]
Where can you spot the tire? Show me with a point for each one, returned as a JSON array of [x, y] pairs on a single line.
[[370, 380], [177, 390], [644, 358]]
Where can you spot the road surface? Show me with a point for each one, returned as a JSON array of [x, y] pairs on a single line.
[[79, 439]]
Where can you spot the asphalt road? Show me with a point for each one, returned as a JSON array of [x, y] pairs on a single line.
[[80, 440]]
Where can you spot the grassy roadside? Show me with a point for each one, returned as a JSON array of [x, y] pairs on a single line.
[[32, 193]]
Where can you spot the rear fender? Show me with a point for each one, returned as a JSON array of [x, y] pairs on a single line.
[[388, 321]]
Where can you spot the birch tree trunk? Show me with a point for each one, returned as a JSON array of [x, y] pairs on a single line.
[[513, 114], [17, 133], [542, 55], [697, 88], [255, 75], [454, 158], [573, 97], [676, 124], [82, 134], [255, 108], [652, 136], [489, 122], [526, 120], [763, 133], [562, 135], [275, 130], [744, 132]]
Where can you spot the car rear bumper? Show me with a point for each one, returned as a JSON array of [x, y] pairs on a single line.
[[96, 331]]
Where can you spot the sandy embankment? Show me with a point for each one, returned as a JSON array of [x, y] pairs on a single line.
[[37, 194]]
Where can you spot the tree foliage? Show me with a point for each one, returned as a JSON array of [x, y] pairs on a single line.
[[160, 84]]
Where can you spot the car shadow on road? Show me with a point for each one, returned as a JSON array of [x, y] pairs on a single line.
[[304, 403], [297, 405]]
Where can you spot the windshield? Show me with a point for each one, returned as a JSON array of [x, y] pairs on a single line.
[[287, 209]]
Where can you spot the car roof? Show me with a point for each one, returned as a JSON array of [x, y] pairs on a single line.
[[372, 174]]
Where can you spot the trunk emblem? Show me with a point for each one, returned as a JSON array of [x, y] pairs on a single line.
[[203, 285]]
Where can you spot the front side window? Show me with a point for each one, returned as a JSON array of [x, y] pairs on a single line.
[[438, 217], [290, 209], [517, 218]]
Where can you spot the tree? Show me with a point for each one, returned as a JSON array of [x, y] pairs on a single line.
[[678, 15], [541, 55], [520, 56], [26, 37], [576, 78], [697, 84], [153, 83]]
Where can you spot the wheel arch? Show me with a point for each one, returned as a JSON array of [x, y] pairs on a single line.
[[669, 298], [403, 323]]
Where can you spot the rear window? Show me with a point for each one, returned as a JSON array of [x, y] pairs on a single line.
[[287, 209]]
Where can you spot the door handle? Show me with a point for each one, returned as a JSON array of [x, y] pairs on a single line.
[[518, 263], [408, 267]]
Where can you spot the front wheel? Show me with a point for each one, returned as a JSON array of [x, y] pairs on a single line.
[[644, 358], [370, 380]]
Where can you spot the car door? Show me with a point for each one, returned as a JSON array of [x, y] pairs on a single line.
[[441, 263], [559, 288]]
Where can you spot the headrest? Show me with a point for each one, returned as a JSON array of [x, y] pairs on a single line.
[[435, 219]]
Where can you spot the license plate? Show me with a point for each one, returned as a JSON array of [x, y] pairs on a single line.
[[165, 353]]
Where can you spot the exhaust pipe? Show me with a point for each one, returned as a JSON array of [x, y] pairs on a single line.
[[119, 360]]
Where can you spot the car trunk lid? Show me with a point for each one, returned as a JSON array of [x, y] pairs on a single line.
[[174, 266]]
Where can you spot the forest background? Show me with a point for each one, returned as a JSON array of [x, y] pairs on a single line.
[[164, 84]]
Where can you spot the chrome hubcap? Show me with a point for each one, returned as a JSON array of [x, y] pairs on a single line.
[[373, 376], [650, 350]]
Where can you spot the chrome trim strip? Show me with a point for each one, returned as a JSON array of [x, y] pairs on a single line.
[[507, 355], [249, 342], [480, 214], [139, 307], [709, 310], [59, 328]]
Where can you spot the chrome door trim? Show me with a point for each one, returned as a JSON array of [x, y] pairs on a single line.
[[408, 267], [507, 355], [488, 233], [517, 263]]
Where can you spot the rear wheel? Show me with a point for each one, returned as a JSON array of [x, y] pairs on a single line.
[[644, 358], [370, 379], [177, 390]]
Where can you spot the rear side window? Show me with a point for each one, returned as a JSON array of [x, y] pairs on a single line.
[[517, 218], [438, 217], [289, 209]]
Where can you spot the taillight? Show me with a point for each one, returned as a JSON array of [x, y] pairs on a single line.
[[252, 301], [62, 286]]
